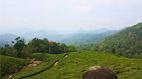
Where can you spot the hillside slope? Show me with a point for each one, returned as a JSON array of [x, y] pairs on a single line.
[[48, 60], [75, 64], [9, 65], [126, 42]]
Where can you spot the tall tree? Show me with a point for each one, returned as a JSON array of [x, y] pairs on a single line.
[[19, 45]]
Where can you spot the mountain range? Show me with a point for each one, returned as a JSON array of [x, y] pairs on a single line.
[[6, 39], [89, 37], [80, 37]]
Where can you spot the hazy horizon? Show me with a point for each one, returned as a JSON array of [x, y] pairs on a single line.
[[68, 16]]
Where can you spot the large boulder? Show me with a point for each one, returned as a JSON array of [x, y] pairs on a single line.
[[97, 72]]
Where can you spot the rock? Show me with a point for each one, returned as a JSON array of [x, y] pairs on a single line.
[[98, 72], [94, 67]]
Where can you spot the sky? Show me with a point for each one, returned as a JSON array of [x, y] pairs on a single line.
[[68, 16]]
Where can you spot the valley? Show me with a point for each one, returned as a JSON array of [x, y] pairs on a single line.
[[70, 39]]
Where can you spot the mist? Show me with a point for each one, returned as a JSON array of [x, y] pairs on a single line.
[[67, 16]]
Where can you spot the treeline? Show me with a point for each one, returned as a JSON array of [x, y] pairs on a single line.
[[19, 48]]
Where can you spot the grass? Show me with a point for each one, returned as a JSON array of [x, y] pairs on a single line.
[[48, 60], [75, 64], [8, 65], [47, 57]]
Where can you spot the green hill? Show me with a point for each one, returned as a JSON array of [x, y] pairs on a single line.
[[48, 60], [73, 65], [126, 42], [9, 65]]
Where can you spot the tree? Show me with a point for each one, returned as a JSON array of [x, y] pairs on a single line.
[[19, 45], [53, 48], [113, 50], [39, 45], [71, 48]]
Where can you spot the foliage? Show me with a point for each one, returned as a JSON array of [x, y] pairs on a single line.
[[22, 50], [126, 42], [19, 45], [17, 49], [10, 65], [39, 45], [49, 60], [75, 64]]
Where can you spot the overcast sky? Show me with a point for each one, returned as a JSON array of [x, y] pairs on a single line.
[[69, 15]]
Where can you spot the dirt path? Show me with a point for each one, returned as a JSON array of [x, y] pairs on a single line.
[[54, 64], [65, 56]]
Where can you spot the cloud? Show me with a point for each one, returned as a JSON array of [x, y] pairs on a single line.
[[82, 6], [114, 1], [69, 14]]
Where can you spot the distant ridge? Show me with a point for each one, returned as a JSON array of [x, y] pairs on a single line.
[[89, 37], [6, 38]]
